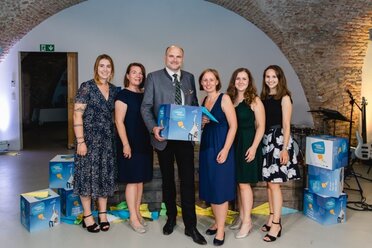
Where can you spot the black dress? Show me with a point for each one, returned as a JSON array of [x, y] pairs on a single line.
[[139, 167], [272, 170]]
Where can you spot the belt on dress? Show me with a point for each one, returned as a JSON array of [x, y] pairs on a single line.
[[274, 127]]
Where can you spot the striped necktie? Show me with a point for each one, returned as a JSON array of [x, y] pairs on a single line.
[[178, 98]]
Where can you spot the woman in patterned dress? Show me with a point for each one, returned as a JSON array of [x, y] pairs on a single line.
[[95, 157], [250, 113], [279, 159]]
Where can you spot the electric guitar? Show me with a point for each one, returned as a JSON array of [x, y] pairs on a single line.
[[363, 150]]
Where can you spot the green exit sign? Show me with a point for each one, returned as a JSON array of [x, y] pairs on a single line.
[[46, 47]]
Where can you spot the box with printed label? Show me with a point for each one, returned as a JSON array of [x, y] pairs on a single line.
[[40, 209], [61, 171], [325, 210], [180, 122], [328, 152], [70, 202], [325, 182]]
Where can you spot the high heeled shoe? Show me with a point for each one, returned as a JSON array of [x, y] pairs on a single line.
[[265, 227], [92, 228], [211, 231], [240, 235], [143, 222], [236, 224], [271, 238], [138, 229], [104, 226], [218, 242]]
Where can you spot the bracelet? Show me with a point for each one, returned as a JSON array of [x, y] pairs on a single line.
[[79, 143], [79, 137], [125, 144]]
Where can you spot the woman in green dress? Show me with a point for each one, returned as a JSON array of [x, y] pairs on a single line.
[[250, 113]]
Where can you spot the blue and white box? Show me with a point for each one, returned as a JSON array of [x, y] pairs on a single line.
[[61, 172], [180, 122], [70, 202], [40, 212], [325, 182], [325, 210], [328, 152]]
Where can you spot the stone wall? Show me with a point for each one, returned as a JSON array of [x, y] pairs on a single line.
[[325, 42], [292, 191]]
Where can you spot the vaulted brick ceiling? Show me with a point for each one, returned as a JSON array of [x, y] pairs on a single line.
[[324, 40]]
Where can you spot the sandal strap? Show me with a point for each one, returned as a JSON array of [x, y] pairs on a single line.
[[102, 212], [87, 216], [277, 223]]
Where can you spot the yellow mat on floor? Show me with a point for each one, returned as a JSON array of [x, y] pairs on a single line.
[[264, 209], [208, 212]]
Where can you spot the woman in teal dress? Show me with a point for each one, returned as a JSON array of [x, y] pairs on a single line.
[[250, 113], [216, 158]]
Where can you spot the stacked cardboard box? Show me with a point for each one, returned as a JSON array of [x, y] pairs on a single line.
[[324, 200], [42, 209], [61, 176]]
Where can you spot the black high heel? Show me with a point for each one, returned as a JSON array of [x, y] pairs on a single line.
[[92, 228], [211, 231], [218, 242], [105, 226], [265, 227], [273, 238]]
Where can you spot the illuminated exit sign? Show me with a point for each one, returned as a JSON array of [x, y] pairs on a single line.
[[46, 47]]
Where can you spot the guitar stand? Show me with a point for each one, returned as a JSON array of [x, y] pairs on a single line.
[[349, 170]]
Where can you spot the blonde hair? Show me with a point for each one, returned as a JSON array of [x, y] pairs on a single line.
[[96, 64]]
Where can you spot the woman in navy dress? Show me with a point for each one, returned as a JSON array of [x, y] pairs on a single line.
[[134, 150], [95, 159], [279, 160], [216, 158]]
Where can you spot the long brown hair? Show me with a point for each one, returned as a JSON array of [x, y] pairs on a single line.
[[143, 70], [96, 64], [250, 92], [281, 90]]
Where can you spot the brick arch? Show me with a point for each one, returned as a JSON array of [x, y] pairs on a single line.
[[325, 41]]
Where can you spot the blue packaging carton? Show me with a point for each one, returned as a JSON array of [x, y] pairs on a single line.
[[61, 172], [40, 212], [325, 182], [328, 152], [180, 122], [325, 210], [70, 202]]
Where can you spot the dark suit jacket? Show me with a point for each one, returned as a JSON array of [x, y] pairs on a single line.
[[159, 89]]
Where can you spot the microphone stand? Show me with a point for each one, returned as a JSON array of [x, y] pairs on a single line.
[[350, 169]]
